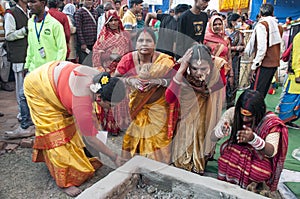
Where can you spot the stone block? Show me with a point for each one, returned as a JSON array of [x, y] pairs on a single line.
[[26, 143], [2, 145], [11, 147]]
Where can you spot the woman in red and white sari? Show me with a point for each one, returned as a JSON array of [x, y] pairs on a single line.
[[255, 152], [113, 42]]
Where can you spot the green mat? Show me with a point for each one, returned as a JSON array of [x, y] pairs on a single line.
[[294, 187], [294, 140]]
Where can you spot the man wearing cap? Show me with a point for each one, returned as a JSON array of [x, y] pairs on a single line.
[[168, 29]]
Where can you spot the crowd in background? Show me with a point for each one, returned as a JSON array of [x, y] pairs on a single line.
[[181, 69]]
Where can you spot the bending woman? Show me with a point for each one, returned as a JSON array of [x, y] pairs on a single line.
[[147, 72], [60, 97], [192, 88]]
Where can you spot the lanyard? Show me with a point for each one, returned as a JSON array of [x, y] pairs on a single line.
[[38, 33]]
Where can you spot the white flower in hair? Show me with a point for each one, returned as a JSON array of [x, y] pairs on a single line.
[[95, 87]]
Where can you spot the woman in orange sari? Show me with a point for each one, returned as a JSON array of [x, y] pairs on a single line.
[[216, 39], [113, 42], [60, 96], [147, 72]]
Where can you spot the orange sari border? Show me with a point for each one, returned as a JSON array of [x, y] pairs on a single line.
[[67, 177], [56, 138]]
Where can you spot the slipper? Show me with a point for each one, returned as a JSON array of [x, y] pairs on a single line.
[[19, 133], [296, 154]]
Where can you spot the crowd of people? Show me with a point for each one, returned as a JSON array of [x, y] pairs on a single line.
[[162, 78]]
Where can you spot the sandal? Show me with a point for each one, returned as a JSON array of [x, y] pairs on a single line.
[[19, 133]]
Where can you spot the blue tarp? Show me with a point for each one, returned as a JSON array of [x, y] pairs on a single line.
[[283, 9], [164, 7]]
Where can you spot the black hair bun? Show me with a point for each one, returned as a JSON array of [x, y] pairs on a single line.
[[104, 78]]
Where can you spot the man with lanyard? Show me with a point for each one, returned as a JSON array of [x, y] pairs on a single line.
[[86, 27], [46, 42]]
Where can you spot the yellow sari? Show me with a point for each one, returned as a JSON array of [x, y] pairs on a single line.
[[147, 134], [58, 143]]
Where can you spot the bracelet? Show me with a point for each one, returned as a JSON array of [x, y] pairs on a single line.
[[166, 83], [258, 143], [159, 83], [176, 81], [127, 80]]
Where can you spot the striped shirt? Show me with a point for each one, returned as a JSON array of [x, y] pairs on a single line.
[[129, 20], [86, 27]]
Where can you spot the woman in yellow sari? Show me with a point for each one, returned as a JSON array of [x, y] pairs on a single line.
[[60, 97], [147, 72]]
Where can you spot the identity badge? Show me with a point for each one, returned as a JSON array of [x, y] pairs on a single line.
[[42, 52]]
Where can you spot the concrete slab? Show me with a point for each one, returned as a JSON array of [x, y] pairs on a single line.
[[125, 178]]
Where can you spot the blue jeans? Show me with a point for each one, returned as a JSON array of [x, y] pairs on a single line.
[[25, 114], [18, 71]]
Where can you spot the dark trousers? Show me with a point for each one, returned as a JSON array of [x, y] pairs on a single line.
[[231, 90], [263, 79], [82, 55]]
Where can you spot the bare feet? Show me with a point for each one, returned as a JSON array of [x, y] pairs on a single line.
[[72, 191]]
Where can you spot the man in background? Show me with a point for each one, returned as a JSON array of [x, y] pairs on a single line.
[[16, 43], [86, 26], [191, 27], [265, 43], [168, 29], [46, 42]]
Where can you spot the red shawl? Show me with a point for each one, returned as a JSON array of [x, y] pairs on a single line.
[[247, 156], [110, 42], [214, 40], [269, 122]]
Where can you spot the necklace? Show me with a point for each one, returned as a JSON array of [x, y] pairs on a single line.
[[139, 59], [144, 69]]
